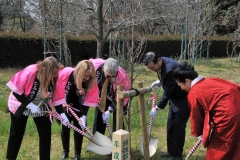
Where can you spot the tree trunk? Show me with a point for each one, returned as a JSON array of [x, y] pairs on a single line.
[[100, 40], [100, 44]]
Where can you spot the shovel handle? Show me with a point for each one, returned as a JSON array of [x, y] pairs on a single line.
[[109, 129], [57, 116], [151, 117], [150, 124], [196, 145], [79, 120]]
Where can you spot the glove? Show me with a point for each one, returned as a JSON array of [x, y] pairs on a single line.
[[34, 108], [154, 112], [200, 137], [83, 122], [65, 119], [106, 116], [110, 109], [156, 84]]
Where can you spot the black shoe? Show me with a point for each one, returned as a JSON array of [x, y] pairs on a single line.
[[77, 157], [165, 155], [176, 158], [108, 156], [64, 155]]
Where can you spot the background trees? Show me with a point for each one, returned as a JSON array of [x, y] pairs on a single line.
[[1, 18], [15, 17], [113, 20]]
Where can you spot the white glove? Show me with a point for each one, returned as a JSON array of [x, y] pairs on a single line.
[[83, 122], [34, 108], [154, 112], [106, 116], [110, 108], [65, 119], [156, 84], [200, 137]]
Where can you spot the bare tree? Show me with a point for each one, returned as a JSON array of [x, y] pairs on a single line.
[[104, 18], [15, 15]]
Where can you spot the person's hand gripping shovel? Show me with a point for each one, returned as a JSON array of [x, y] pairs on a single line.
[[106, 117], [81, 121]]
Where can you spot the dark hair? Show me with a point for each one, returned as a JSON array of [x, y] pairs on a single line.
[[151, 57], [184, 71]]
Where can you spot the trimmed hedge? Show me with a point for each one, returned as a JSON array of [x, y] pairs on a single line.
[[20, 52], [21, 49]]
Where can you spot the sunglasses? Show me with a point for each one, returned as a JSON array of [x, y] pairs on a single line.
[[111, 76]]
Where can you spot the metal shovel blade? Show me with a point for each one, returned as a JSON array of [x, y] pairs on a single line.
[[106, 144], [152, 145]]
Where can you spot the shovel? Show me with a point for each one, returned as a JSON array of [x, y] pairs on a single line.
[[98, 143], [105, 141], [57, 116]]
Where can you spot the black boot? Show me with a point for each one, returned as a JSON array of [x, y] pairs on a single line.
[[78, 138], [165, 155], [65, 142], [77, 157], [64, 155]]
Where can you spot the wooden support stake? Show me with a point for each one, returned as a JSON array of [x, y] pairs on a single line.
[[119, 109], [143, 121]]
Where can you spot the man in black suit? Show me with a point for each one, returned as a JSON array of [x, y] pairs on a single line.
[[178, 114]]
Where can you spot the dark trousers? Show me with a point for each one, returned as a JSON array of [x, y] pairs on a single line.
[[98, 122], [65, 135], [17, 130], [176, 132]]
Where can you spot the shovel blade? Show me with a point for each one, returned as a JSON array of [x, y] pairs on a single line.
[[106, 144], [152, 145]]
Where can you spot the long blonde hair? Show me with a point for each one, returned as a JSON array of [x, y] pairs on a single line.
[[45, 73], [80, 70]]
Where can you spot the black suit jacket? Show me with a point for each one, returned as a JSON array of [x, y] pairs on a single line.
[[172, 92]]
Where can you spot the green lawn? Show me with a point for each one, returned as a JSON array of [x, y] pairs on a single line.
[[29, 149]]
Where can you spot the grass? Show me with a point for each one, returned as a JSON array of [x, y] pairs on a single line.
[[223, 68]]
